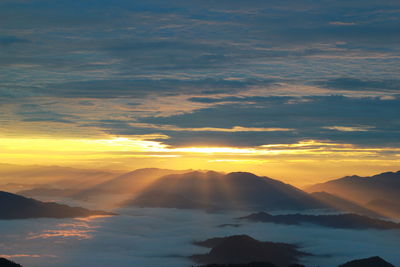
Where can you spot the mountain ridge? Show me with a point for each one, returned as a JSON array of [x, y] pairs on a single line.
[[13, 206], [362, 190], [235, 190]]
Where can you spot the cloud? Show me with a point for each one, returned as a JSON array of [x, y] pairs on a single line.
[[349, 128], [162, 237], [140, 88], [208, 129], [202, 72], [345, 83], [11, 40], [38, 113], [309, 119], [342, 23]]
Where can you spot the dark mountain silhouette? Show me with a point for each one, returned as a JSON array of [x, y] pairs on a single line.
[[384, 186], [129, 183], [237, 190], [251, 264], [242, 249], [14, 206], [229, 225], [352, 221], [369, 262], [7, 263], [344, 205]]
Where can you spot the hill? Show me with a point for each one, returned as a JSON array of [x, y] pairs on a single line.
[[340, 204], [368, 262], [237, 190], [384, 186], [59, 177], [14, 206], [128, 183], [351, 221], [7, 263], [242, 249]]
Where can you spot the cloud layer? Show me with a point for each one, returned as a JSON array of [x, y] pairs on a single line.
[[162, 237]]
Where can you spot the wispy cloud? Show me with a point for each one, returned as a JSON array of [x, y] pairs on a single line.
[[209, 129], [342, 23], [349, 128]]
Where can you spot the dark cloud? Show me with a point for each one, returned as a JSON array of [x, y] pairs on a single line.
[[40, 113], [307, 115], [10, 40], [361, 85], [137, 50], [184, 35], [249, 99], [143, 87]]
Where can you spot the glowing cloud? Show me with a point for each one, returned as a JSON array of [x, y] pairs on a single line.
[[210, 129], [349, 128]]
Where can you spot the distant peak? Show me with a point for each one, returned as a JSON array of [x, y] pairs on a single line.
[[242, 174], [372, 261], [387, 174], [240, 238]]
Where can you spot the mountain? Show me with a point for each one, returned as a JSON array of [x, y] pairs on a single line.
[[351, 221], [14, 206], [368, 262], [251, 264], [129, 183], [49, 181], [242, 249], [343, 205], [237, 190], [363, 190], [7, 263], [384, 186], [60, 176]]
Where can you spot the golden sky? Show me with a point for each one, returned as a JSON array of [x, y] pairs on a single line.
[[301, 163]]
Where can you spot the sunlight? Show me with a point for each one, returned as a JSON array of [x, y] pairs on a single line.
[[305, 158]]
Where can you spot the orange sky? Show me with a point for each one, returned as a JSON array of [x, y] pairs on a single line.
[[302, 163]]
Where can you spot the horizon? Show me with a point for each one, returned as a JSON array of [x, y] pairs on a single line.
[[299, 164], [123, 171]]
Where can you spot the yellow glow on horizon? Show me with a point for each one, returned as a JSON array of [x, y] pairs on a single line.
[[144, 144], [52, 144], [142, 147], [215, 150], [303, 160]]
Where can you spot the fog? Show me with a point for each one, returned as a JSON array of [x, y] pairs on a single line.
[[162, 237]]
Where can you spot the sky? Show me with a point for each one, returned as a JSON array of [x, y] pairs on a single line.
[[302, 91]]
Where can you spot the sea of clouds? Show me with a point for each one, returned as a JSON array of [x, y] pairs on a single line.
[[163, 237]]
